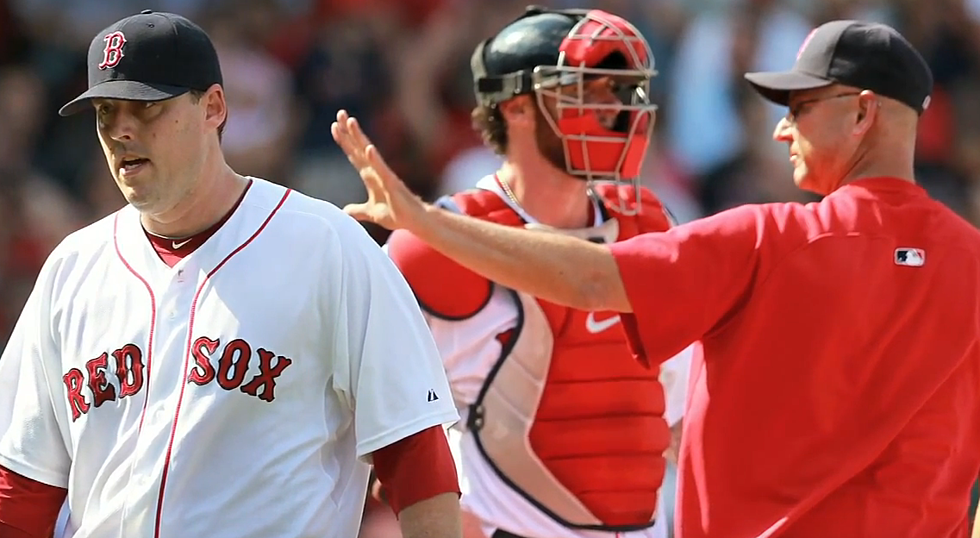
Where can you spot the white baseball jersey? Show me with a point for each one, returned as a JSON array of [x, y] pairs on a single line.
[[238, 394], [470, 349]]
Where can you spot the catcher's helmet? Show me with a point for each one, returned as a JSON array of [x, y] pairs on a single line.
[[549, 52]]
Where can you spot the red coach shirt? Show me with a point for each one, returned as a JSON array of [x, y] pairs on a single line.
[[839, 391]]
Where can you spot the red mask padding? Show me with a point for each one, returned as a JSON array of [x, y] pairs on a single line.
[[580, 132]]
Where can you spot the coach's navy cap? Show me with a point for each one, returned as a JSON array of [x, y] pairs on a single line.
[[865, 55], [148, 57]]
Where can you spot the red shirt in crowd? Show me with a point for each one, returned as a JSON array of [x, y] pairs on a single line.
[[839, 390]]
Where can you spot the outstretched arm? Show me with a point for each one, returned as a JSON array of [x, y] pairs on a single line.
[[557, 268], [554, 267]]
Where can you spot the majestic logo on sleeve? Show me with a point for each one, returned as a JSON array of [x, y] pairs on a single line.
[[120, 374], [113, 51]]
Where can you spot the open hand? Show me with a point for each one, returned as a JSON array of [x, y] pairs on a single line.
[[390, 203]]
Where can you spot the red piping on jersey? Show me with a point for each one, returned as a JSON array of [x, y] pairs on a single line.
[[153, 322], [187, 357]]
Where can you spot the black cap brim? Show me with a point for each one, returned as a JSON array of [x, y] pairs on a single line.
[[776, 86], [129, 90]]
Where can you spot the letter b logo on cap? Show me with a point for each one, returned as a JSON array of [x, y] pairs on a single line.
[[113, 52]]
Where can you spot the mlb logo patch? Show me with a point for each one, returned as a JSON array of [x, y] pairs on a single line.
[[911, 257]]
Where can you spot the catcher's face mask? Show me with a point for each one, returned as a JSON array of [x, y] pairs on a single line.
[[605, 140], [590, 72]]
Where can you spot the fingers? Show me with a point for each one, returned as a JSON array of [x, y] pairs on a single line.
[[387, 194], [351, 138], [371, 212], [348, 141], [357, 211], [361, 141]]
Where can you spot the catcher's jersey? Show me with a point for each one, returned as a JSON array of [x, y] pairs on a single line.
[[239, 393]]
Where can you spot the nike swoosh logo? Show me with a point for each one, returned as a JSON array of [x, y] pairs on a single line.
[[182, 243], [596, 327]]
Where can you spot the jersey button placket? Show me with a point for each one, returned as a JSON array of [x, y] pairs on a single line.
[[166, 379]]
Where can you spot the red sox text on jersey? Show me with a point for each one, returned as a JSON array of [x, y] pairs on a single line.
[[127, 368]]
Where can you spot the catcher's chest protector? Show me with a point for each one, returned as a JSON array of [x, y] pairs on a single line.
[[566, 416]]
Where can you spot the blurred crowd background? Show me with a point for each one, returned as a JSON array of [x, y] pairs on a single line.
[[402, 67]]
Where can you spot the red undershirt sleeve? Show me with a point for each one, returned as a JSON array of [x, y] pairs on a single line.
[[28, 509], [416, 468], [684, 282]]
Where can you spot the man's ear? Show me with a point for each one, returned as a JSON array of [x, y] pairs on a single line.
[[868, 106], [216, 108], [518, 110]]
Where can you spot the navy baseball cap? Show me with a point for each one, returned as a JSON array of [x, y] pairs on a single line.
[[150, 56], [865, 55]]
